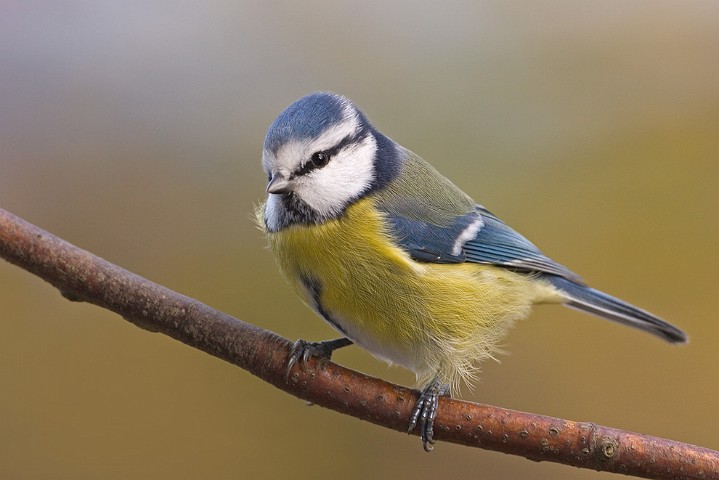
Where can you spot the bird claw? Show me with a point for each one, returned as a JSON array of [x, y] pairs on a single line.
[[302, 350], [425, 411]]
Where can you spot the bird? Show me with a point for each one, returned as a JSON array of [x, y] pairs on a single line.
[[399, 260]]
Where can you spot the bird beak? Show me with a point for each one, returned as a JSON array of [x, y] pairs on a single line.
[[278, 184]]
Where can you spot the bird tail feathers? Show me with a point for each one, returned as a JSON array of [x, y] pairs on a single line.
[[606, 306]]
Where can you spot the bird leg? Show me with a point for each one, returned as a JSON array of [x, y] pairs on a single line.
[[303, 350], [425, 410]]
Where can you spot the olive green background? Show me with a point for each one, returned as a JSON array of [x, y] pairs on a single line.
[[134, 130]]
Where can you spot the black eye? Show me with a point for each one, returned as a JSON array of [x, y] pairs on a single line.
[[320, 159]]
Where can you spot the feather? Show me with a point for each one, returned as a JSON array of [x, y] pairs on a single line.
[[434, 221]]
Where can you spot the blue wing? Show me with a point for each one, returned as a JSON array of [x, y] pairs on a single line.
[[479, 237], [428, 242], [436, 222], [498, 244]]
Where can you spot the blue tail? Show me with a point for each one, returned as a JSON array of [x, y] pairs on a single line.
[[606, 306]]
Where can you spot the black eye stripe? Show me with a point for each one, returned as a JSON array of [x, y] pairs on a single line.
[[309, 165], [349, 139]]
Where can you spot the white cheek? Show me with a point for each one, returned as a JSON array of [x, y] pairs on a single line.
[[349, 174]]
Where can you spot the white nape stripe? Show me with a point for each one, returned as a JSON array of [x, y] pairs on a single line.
[[336, 133], [467, 234], [287, 157]]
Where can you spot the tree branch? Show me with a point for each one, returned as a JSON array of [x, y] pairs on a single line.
[[82, 276]]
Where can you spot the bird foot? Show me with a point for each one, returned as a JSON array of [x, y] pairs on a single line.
[[302, 350], [425, 411]]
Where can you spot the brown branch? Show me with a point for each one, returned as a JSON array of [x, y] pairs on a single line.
[[82, 276]]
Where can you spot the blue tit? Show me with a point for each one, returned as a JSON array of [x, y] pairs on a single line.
[[398, 259]]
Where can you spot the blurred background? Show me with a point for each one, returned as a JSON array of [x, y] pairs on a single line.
[[134, 130]]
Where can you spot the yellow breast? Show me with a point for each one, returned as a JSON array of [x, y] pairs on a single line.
[[435, 319]]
